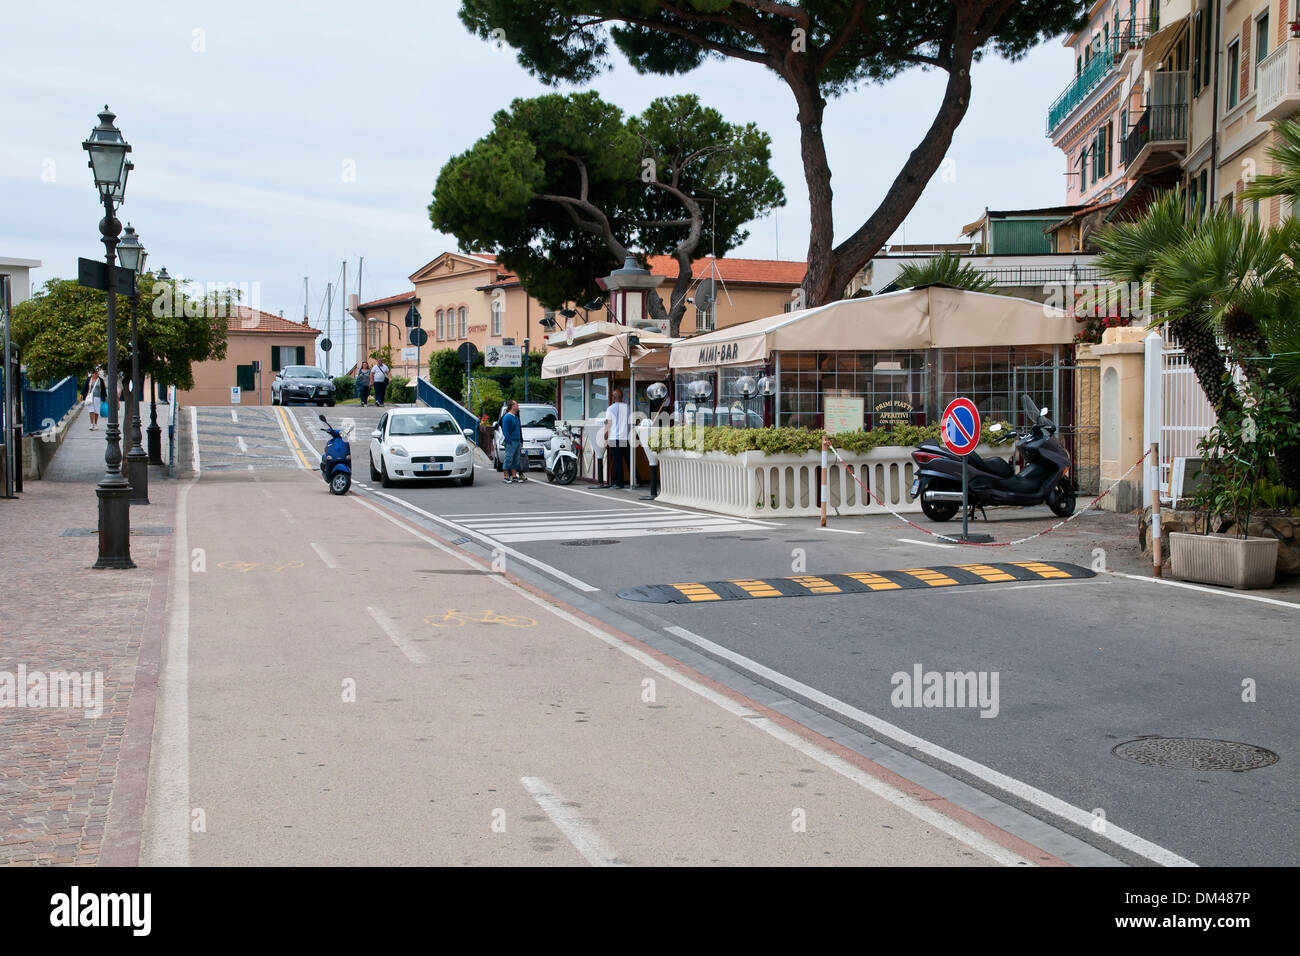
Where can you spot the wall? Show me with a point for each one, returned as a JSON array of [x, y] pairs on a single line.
[[213, 380]]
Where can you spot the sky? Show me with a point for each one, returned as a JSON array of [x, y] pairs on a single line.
[[274, 141]]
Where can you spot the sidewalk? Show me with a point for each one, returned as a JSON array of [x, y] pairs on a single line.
[[66, 778]]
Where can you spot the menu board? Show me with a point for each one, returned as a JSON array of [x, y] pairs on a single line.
[[842, 414]]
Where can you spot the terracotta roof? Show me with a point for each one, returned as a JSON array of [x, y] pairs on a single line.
[[244, 319], [388, 300], [765, 271]]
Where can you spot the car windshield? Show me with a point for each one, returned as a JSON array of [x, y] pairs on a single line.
[[538, 416], [303, 371], [423, 425]]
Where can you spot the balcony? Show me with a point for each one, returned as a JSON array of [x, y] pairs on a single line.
[[1279, 83], [1131, 35], [1158, 137]]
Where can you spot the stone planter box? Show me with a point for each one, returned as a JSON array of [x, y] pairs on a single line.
[[1243, 563]]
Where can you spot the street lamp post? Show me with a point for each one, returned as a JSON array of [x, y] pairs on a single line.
[[110, 167], [132, 255], [154, 432]]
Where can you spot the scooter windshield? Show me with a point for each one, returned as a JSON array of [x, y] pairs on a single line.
[[1030, 408]]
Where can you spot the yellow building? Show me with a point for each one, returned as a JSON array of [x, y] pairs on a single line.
[[251, 336]]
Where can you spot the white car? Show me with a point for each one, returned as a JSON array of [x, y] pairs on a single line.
[[414, 443]]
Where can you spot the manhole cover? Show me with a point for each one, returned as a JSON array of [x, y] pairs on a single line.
[[1195, 753], [589, 542]]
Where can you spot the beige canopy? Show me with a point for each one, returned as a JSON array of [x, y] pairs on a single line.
[[608, 354], [933, 317]]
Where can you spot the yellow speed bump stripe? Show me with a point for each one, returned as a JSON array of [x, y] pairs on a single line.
[[852, 582]]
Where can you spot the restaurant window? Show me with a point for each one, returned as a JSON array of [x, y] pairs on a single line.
[[995, 377], [463, 322], [571, 409], [741, 404], [892, 384], [599, 399], [693, 397]]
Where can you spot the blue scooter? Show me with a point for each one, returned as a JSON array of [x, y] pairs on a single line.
[[336, 463]]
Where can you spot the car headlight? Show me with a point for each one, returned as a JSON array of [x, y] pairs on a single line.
[[462, 449], [399, 451]]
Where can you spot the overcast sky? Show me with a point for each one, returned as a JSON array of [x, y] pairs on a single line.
[[272, 141]]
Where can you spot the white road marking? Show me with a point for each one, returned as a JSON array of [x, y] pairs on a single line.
[[748, 717], [580, 833], [1041, 799], [1218, 592], [194, 437], [234, 416], [637, 504], [325, 556], [166, 838], [413, 653], [491, 542], [840, 530], [289, 444], [285, 512], [243, 446], [567, 525], [250, 467], [928, 544]]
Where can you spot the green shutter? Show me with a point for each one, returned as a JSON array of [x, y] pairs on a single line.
[[244, 377], [275, 358], [302, 355]]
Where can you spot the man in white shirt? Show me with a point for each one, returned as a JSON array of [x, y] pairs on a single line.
[[616, 440], [379, 379]]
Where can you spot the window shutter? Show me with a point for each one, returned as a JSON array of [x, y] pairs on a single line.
[[275, 358], [301, 355]]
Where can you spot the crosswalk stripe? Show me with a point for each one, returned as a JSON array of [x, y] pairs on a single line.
[[619, 523]]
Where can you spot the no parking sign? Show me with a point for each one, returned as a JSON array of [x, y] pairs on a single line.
[[960, 430]]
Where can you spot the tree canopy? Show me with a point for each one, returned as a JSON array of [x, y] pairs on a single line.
[[564, 187], [819, 48], [63, 330]]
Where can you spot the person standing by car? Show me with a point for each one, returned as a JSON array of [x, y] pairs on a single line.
[[513, 436], [363, 383], [616, 435], [379, 379]]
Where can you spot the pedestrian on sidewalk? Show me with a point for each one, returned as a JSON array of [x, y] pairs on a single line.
[[616, 436], [513, 436], [363, 383], [96, 397], [379, 378]]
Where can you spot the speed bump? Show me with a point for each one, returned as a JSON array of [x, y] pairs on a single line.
[[852, 582]]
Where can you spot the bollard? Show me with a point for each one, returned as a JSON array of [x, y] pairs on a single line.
[[1156, 556], [826, 443]]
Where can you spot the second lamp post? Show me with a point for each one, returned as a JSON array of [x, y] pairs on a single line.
[[131, 253]]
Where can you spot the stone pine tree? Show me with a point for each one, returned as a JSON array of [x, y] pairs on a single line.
[[820, 49], [564, 187]]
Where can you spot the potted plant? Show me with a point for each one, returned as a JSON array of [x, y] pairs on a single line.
[[1237, 454]]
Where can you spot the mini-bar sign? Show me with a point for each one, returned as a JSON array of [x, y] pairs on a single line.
[[718, 354]]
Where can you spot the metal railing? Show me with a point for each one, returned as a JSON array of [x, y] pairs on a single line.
[[1042, 275], [1157, 124], [429, 394], [1130, 35], [43, 408]]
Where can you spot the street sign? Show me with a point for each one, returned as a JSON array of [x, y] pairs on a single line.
[[413, 318], [467, 352], [326, 345], [504, 356], [417, 337], [257, 366], [960, 430], [410, 353], [234, 395], [93, 274]]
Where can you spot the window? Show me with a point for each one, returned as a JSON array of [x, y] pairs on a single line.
[[1261, 43], [1234, 67], [571, 399], [463, 328], [1204, 191], [1078, 65], [496, 316], [372, 331], [1083, 169], [1105, 35], [894, 386], [1198, 45], [441, 326], [1207, 53]]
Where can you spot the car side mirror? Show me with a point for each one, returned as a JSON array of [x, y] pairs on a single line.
[[469, 433], [376, 434]]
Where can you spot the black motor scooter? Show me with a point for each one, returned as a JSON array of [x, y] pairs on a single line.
[[1045, 477]]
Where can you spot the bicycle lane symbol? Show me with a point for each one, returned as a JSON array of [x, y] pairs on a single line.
[[457, 618]]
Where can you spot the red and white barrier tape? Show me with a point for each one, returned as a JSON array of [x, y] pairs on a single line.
[[984, 544]]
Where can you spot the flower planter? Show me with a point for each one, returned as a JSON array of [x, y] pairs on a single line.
[[1243, 563]]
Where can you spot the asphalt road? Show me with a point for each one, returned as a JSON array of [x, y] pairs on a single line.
[[1081, 665]]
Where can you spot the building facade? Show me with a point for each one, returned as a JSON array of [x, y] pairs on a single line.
[[251, 336]]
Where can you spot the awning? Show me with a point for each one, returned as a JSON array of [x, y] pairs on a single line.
[[650, 364], [932, 317], [607, 354], [1158, 44]]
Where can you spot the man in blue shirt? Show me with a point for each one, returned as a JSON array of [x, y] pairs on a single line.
[[513, 437]]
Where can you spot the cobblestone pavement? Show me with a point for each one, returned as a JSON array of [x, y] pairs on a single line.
[[62, 774]]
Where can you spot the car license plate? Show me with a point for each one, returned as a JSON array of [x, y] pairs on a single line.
[[916, 485], [433, 468]]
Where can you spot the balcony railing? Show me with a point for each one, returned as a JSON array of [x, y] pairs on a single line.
[[1279, 82], [1131, 34], [1158, 124]]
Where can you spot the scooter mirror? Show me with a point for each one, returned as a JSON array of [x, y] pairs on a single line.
[[1044, 412], [322, 418], [997, 427]]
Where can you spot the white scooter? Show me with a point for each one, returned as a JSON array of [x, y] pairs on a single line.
[[561, 456]]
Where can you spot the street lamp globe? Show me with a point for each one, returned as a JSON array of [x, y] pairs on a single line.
[[108, 160], [129, 251]]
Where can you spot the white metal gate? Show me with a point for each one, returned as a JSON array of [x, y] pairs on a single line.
[[1186, 414]]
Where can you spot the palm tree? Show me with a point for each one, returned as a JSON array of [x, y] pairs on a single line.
[[1285, 183], [944, 269]]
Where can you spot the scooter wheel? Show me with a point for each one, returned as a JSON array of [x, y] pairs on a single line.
[[566, 471], [1061, 499], [340, 483], [550, 477], [939, 510]]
